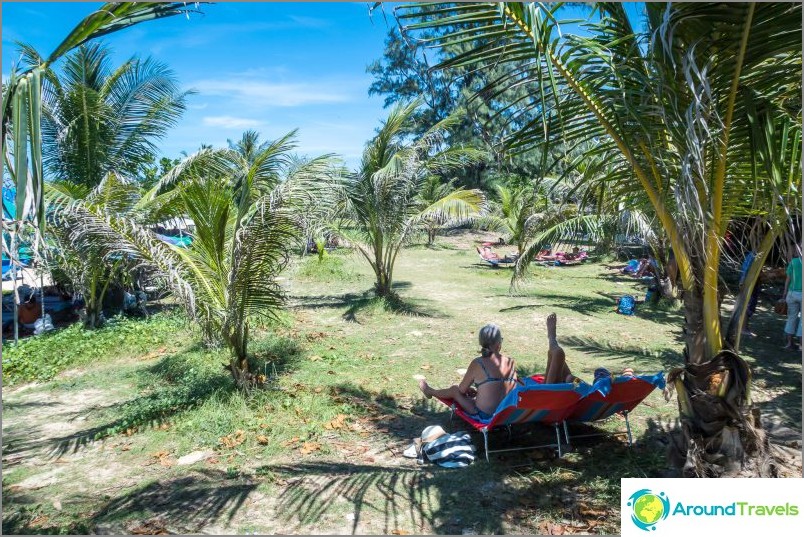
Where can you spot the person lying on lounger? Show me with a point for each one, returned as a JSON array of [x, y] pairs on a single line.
[[490, 255], [492, 374], [557, 370]]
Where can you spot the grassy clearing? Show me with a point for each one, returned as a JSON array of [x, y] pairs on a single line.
[[319, 450]]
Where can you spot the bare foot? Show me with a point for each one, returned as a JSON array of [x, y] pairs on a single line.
[[425, 388], [551, 326]]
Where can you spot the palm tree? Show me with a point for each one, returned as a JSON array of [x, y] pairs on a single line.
[[98, 119], [525, 215], [432, 190], [83, 223], [22, 98], [246, 204], [676, 106], [379, 203], [99, 124]]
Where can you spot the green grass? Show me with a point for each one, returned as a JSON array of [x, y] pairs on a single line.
[[42, 358], [322, 440], [336, 266]]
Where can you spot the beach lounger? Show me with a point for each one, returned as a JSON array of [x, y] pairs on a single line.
[[530, 402], [494, 260], [615, 396]]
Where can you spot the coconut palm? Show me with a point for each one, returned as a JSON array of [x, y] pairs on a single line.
[[380, 207], [99, 124], [83, 238], [674, 105], [247, 205], [22, 98], [432, 190], [97, 118]]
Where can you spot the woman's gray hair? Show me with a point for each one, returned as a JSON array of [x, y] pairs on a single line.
[[489, 337]]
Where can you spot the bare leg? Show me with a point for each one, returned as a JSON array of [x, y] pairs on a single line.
[[467, 403], [557, 369]]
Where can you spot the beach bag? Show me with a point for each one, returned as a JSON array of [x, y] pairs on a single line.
[[626, 305], [780, 307], [453, 450]]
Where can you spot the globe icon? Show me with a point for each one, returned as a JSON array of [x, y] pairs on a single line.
[[648, 509]]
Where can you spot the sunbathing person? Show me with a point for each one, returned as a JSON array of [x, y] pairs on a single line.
[[490, 255], [492, 374], [545, 254], [557, 370]]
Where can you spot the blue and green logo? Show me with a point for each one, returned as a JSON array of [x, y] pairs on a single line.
[[648, 508]]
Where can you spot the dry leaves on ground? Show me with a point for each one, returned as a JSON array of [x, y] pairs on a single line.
[[155, 354], [551, 528], [308, 447], [288, 443], [233, 440], [338, 423], [163, 458]]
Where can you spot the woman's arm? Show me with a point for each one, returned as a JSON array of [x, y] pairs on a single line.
[[468, 378], [786, 286]]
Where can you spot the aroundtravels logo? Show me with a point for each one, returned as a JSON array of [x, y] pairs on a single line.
[[648, 508]]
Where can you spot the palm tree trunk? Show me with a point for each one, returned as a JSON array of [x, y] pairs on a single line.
[[383, 285], [12, 259], [238, 366], [695, 351], [92, 305]]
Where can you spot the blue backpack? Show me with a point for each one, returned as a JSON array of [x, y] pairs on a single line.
[[626, 305]]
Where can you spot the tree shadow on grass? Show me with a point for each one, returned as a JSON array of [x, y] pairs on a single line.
[[355, 303], [487, 498], [175, 384], [668, 358], [183, 505], [580, 304], [386, 499], [515, 491], [400, 419], [187, 504]]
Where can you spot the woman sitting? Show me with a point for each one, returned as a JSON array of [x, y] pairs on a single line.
[[492, 374]]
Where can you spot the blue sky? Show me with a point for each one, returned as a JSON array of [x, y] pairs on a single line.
[[268, 66], [271, 67]]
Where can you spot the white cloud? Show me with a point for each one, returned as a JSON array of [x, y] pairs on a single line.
[[259, 93], [230, 122]]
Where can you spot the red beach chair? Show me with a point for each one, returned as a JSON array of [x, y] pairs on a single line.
[[531, 402], [615, 396]]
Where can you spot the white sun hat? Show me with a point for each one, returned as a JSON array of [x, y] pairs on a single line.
[[432, 432]]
